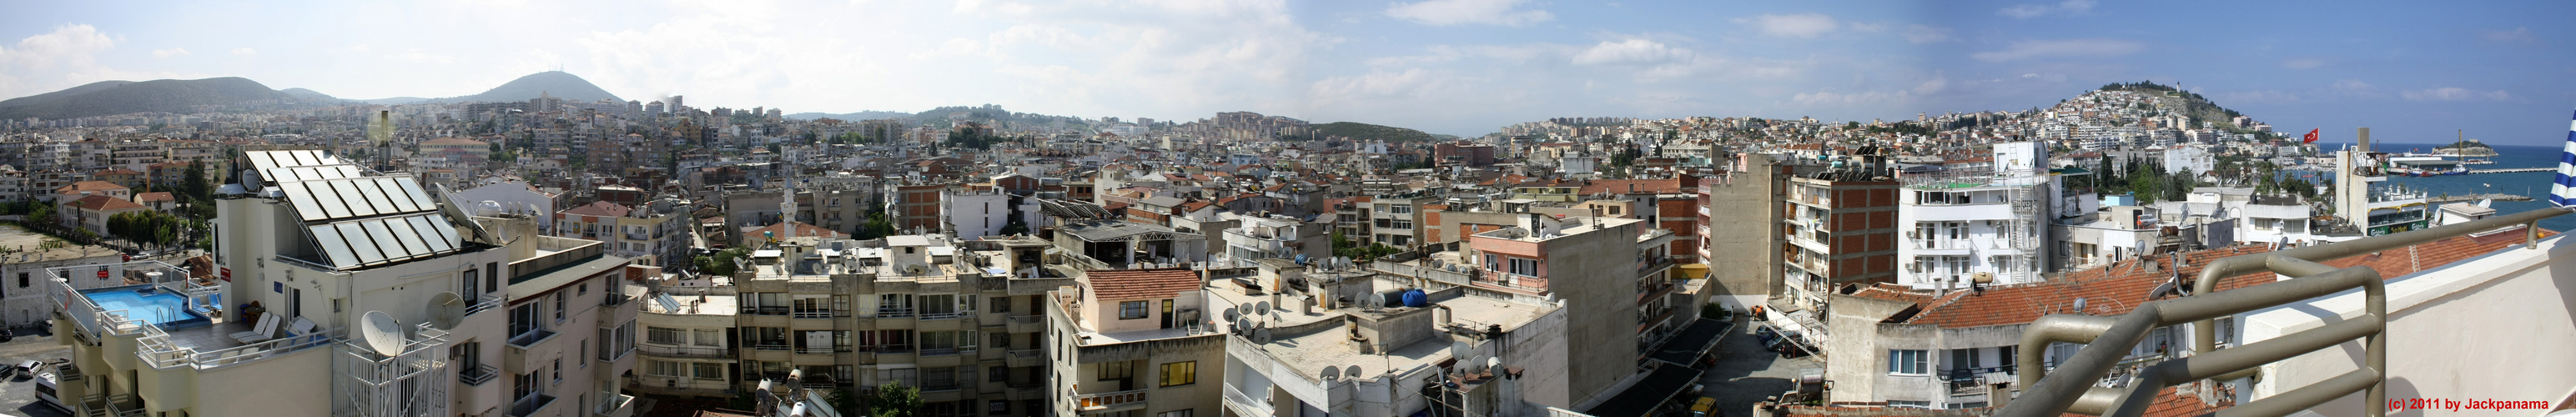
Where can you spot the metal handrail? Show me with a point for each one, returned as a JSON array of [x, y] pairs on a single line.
[[2108, 338]]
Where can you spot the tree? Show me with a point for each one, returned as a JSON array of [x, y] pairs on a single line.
[[895, 400], [719, 263], [877, 227]]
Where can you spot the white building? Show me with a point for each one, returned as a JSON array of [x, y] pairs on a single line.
[[1977, 226], [979, 213], [2193, 160], [1350, 351]]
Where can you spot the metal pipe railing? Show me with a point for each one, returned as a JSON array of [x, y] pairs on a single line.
[[2108, 338]]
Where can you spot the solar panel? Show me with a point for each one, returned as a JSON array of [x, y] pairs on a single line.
[[445, 229], [375, 197], [388, 242], [359, 243], [328, 238], [389, 188], [418, 197], [261, 161], [306, 205], [302, 158], [668, 304], [349, 171], [355, 198], [437, 242]]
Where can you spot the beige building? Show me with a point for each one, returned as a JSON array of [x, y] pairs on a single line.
[[347, 292], [1134, 342]]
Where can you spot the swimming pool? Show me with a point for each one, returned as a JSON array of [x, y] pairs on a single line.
[[145, 302]]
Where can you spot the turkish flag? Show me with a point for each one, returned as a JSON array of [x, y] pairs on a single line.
[[2310, 138]]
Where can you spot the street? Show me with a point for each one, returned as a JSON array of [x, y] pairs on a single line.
[[18, 392], [1745, 373]]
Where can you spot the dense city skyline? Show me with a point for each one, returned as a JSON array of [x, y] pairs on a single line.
[[2412, 72]]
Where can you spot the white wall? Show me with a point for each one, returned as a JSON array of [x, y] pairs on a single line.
[[2498, 327]]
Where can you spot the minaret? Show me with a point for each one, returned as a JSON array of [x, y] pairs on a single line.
[[787, 202]]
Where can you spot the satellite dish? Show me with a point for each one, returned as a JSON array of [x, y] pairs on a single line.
[[1460, 349], [445, 310], [1230, 314], [1261, 306], [250, 180], [1332, 373], [1261, 336], [1243, 324], [914, 269], [1491, 363], [1352, 371], [382, 333]]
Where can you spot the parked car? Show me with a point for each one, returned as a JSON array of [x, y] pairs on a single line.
[[7, 335]]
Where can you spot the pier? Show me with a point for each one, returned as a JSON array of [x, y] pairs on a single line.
[[2476, 197], [2505, 170]]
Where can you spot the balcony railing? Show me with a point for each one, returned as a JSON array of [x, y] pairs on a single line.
[[772, 346], [530, 405], [946, 315], [1027, 319], [476, 375], [531, 337], [1246, 404], [2107, 339], [815, 314], [893, 313], [1108, 400], [609, 403], [1026, 353], [938, 351], [488, 303], [686, 351]]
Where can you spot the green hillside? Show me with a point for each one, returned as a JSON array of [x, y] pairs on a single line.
[[1364, 131]]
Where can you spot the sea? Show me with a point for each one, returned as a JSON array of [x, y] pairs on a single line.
[[2531, 184]]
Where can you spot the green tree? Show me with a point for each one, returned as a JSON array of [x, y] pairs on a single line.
[[719, 263], [877, 227], [895, 400]]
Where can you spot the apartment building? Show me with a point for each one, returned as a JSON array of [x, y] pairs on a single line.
[[961, 320], [1397, 220], [1978, 226], [687, 349], [23, 277], [348, 292], [1840, 228], [1133, 342], [654, 234], [1341, 340]]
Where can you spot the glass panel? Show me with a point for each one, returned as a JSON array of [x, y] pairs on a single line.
[[361, 244], [347, 171], [418, 197], [356, 199], [390, 189], [386, 240], [324, 196], [303, 158], [384, 202], [328, 238], [259, 161], [283, 175], [305, 205], [437, 242], [444, 228]]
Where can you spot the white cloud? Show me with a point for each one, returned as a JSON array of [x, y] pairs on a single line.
[[2091, 48], [66, 45], [1631, 52], [1926, 34], [2453, 94], [245, 52], [2522, 35], [1835, 98], [167, 53], [1458, 12], [2026, 11], [2302, 63], [1793, 26], [1935, 85]]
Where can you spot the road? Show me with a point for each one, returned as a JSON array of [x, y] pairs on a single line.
[[1745, 373], [18, 394]]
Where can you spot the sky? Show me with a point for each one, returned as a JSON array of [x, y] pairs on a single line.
[[2409, 70]]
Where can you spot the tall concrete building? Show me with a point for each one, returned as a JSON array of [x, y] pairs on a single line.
[[1134, 342], [1841, 229]]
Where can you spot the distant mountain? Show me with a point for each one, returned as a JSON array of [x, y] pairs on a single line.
[[392, 101], [1364, 131], [864, 115], [174, 96], [301, 94], [558, 84]]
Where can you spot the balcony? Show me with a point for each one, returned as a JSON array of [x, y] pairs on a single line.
[[946, 315], [476, 375], [1027, 358], [686, 351], [488, 303], [614, 405], [518, 359], [816, 314], [894, 313], [1110, 401], [1246, 404], [1032, 323], [772, 346], [530, 405]]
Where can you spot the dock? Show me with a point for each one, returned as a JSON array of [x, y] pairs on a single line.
[[2505, 170], [2476, 197]]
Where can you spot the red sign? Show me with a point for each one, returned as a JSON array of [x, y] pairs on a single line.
[[228, 275], [102, 273]]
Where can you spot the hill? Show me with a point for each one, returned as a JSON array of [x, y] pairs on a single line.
[[120, 97], [301, 94], [863, 115], [2188, 103], [1364, 131], [558, 84]]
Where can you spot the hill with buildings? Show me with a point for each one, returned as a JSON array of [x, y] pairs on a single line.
[[1364, 131], [106, 98]]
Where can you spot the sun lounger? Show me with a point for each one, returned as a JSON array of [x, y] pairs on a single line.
[[267, 329]]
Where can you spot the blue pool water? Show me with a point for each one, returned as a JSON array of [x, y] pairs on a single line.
[[161, 308]]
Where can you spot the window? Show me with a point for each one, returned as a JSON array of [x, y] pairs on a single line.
[[663, 336], [708, 337], [1908, 404], [1175, 413], [997, 407], [997, 374], [1118, 370], [22, 280], [1524, 267], [1963, 359], [1905, 362], [663, 369], [560, 300], [1180, 373], [584, 289], [558, 371], [1131, 310], [1002, 305], [584, 351], [709, 370], [492, 276]]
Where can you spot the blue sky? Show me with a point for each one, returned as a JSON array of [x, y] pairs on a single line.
[[2413, 71]]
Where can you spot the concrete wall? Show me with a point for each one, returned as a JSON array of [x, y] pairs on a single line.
[[1744, 233], [2495, 327], [1597, 279], [1859, 348]]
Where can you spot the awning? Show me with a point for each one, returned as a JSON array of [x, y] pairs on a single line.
[[1648, 394], [1692, 342]]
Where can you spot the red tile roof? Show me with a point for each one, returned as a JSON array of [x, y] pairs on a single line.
[[154, 197], [1137, 284], [800, 230], [600, 208], [1661, 186], [103, 203], [2122, 286]]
